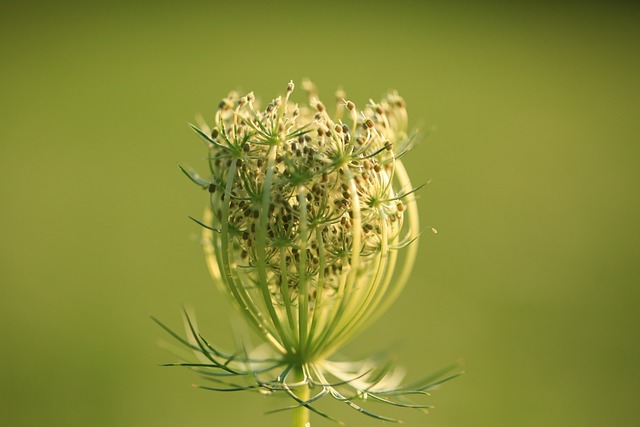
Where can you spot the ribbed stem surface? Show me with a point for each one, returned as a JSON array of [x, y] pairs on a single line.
[[301, 414]]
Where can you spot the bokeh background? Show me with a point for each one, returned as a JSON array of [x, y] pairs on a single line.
[[532, 113]]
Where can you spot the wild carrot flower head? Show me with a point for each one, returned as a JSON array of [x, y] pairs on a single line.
[[311, 229]]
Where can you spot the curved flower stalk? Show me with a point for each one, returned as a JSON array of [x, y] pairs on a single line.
[[311, 230]]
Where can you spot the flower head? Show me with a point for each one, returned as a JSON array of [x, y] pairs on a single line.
[[311, 230]]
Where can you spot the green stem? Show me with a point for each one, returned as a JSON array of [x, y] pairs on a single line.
[[301, 414]]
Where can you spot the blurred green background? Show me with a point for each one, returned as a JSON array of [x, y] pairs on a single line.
[[533, 155]]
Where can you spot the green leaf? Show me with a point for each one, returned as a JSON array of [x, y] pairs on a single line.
[[202, 224], [202, 347], [239, 388], [434, 379], [207, 137], [173, 334], [360, 409], [195, 178], [398, 404], [405, 194]]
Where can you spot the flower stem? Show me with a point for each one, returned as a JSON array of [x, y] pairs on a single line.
[[301, 414]]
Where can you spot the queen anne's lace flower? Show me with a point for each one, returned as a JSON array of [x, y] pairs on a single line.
[[311, 230]]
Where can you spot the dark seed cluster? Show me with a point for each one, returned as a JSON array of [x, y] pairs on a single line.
[[307, 205]]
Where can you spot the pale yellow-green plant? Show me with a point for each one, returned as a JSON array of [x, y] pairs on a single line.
[[311, 230]]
